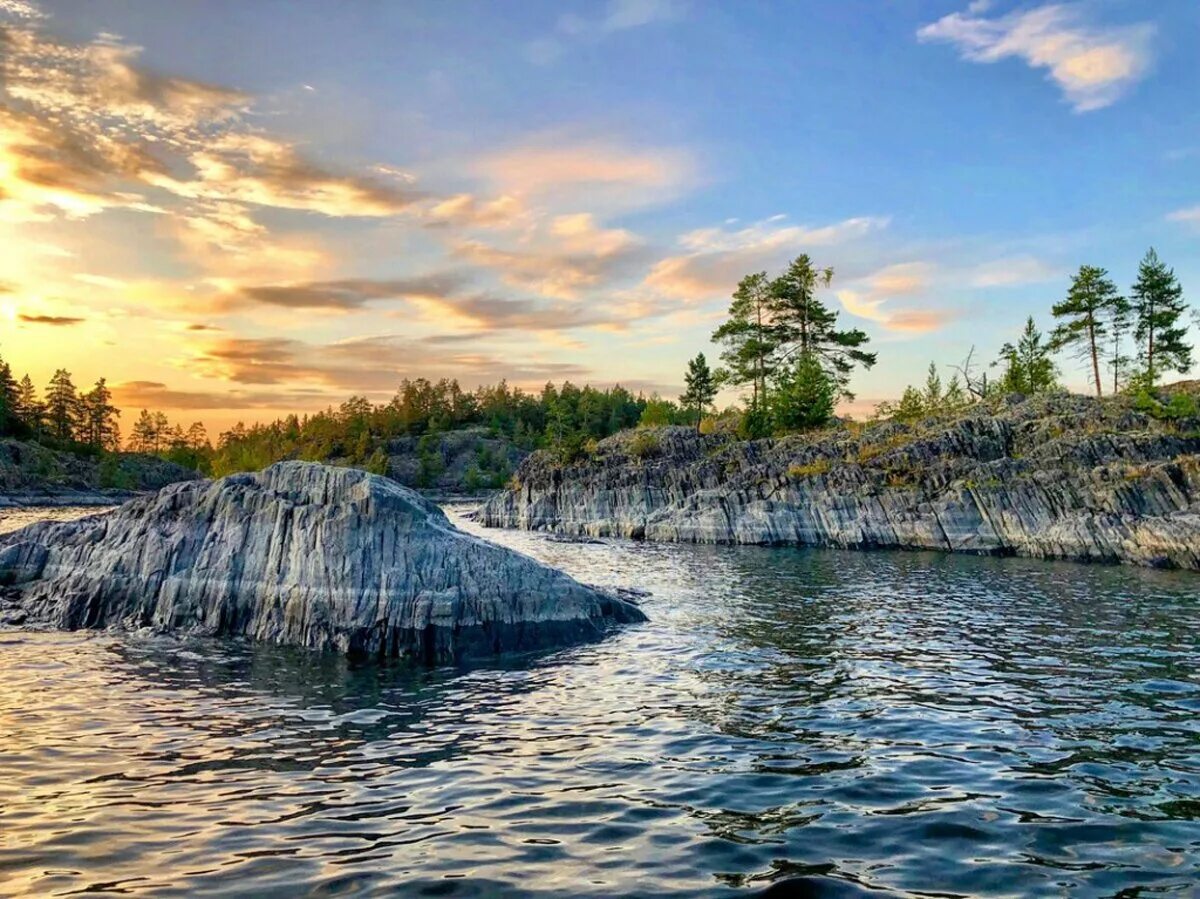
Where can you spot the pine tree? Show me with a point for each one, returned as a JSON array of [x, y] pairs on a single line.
[[143, 437], [805, 325], [98, 418], [1087, 309], [10, 402], [29, 407], [749, 337], [1158, 306], [932, 397], [1028, 368], [701, 388], [805, 395], [62, 406], [197, 436]]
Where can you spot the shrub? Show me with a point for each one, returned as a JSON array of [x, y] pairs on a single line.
[[644, 445], [811, 469]]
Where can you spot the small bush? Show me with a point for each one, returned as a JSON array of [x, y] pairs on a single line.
[[644, 445], [812, 469]]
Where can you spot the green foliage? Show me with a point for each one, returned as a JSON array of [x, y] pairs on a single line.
[[1178, 406], [774, 322], [805, 326], [1093, 305], [429, 460], [1028, 368], [701, 387], [659, 412], [755, 423], [1158, 306], [645, 445], [934, 399], [377, 463], [805, 396], [749, 337], [112, 475]]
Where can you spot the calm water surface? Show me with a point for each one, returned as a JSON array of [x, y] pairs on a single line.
[[913, 724]]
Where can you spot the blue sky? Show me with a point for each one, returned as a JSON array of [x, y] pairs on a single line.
[[324, 200]]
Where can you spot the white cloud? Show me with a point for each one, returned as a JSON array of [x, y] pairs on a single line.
[[618, 15], [1189, 216], [1093, 65]]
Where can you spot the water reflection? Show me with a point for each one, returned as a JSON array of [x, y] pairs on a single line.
[[846, 722]]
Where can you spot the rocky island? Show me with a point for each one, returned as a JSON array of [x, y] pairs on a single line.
[[1052, 476], [301, 554]]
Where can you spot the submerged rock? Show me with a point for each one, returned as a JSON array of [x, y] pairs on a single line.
[[301, 554], [1064, 477]]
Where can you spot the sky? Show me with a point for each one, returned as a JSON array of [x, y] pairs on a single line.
[[237, 210]]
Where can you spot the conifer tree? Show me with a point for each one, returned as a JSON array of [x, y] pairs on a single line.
[[1158, 307], [1086, 311], [98, 418], [62, 406], [749, 337], [1028, 368], [29, 407], [10, 419], [701, 388], [805, 325], [805, 396]]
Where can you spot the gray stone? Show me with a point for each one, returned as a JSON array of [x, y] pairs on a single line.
[[301, 554], [1064, 477]]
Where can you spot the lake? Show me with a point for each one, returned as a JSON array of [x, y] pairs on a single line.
[[877, 723]]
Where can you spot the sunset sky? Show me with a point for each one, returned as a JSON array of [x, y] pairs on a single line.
[[238, 209]]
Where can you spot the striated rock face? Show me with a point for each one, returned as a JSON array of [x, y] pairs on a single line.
[[1065, 477], [300, 554]]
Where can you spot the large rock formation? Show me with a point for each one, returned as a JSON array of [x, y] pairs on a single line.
[[1066, 477], [300, 554]]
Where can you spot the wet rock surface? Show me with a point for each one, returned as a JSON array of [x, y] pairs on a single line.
[[300, 554], [1064, 477]]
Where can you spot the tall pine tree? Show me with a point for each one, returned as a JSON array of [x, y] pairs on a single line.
[[1158, 307], [62, 406], [806, 326], [10, 401], [749, 338], [98, 418], [1085, 313]]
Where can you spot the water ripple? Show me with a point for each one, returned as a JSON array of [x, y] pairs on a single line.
[[830, 724]]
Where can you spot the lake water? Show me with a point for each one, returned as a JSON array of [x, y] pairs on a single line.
[[915, 724]]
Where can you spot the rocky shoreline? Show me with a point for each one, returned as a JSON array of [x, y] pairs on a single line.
[[299, 554], [1055, 477]]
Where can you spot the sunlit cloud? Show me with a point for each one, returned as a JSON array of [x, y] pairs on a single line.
[[467, 210], [364, 365], [54, 320], [870, 298], [567, 170], [717, 258], [571, 254], [1093, 65]]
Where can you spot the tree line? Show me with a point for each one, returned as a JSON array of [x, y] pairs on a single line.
[[61, 414], [782, 345]]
